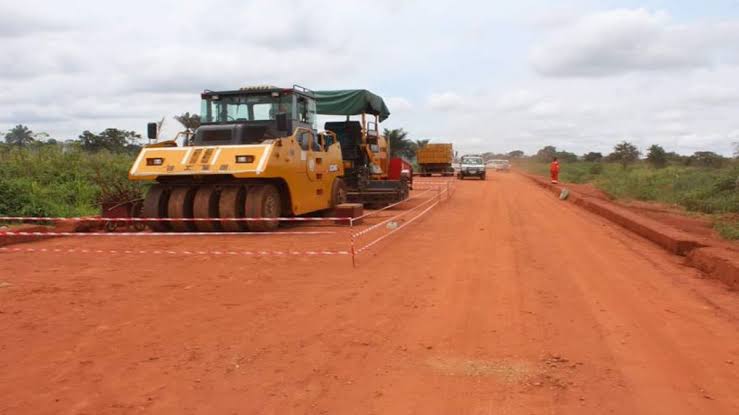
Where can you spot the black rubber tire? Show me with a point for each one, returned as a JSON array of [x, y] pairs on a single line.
[[231, 205], [482, 177], [338, 193], [179, 205], [405, 190], [155, 206], [263, 201], [205, 205]]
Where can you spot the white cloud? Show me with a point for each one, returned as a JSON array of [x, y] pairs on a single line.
[[621, 41], [517, 100], [398, 104], [445, 101], [494, 80]]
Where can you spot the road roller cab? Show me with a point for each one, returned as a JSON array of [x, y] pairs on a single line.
[[257, 154]]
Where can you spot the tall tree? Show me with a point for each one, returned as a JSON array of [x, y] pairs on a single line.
[[624, 153], [112, 139], [400, 145], [673, 157], [20, 135], [421, 143], [657, 156], [566, 156], [593, 156], [546, 154], [191, 122], [706, 159], [516, 154]]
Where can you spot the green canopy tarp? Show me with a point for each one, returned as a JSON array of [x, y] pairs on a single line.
[[350, 102]]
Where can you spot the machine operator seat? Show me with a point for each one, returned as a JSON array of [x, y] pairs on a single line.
[[349, 134]]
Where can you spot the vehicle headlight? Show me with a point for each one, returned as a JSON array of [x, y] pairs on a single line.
[[154, 161], [244, 159]]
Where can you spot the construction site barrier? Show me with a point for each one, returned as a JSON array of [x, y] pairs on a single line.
[[438, 193], [172, 252], [53, 233], [139, 219], [377, 225], [408, 222], [442, 193], [390, 206]]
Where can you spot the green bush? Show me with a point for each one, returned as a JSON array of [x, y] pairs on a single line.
[[728, 230], [55, 181], [697, 189], [596, 169]]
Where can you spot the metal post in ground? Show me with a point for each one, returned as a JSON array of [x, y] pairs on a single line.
[[351, 238]]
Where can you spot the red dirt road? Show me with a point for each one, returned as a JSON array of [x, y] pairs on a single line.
[[503, 300]]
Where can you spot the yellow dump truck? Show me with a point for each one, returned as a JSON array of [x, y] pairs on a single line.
[[257, 154], [435, 158]]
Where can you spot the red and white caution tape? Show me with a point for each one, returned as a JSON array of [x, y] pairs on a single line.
[[170, 252], [51, 233], [374, 212], [377, 225], [371, 244], [104, 219]]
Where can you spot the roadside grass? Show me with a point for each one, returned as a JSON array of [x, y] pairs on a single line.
[[51, 181], [728, 229], [704, 190]]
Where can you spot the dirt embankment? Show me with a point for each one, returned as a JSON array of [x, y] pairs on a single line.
[[673, 216], [681, 235]]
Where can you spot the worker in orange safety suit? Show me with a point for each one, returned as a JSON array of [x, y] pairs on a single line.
[[554, 170]]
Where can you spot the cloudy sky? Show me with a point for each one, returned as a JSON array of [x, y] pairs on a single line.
[[487, 75]]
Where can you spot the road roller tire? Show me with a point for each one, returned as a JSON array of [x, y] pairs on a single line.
[[263, 201], [205, 205], [231, 205], [338, 193], [155, 206], [179, 205], [404, 191]]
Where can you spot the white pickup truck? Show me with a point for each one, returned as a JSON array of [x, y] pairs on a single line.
[[471, 166], [500, 165]]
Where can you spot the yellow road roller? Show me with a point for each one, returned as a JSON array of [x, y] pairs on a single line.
[[256, 154]]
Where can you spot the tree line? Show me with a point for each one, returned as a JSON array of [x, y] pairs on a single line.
[[111, 139], [625, 153]]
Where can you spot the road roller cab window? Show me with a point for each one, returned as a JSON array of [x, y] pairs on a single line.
[[242, 108], [304, 139], [319, 143]]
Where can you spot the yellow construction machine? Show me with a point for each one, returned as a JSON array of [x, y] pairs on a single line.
[[257, 154], [371, 176]]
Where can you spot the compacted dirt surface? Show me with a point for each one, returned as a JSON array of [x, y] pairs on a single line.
[[502, 300]]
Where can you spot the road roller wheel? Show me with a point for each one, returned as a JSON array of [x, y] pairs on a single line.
[[404, 190], [231, 205], [263, 201], [111, 226], [205, 205], [180, 206], [155, 206], [338, 193]]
